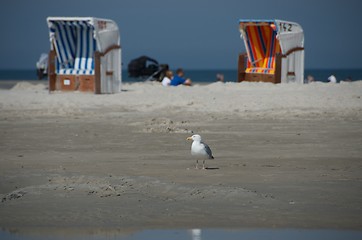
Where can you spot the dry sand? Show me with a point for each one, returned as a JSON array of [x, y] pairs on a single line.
[[286, 156]]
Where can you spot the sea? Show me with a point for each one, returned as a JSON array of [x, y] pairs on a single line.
[[195, 234], [201, 76]]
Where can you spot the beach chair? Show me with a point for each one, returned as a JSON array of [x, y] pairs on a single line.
[[85, 55], [274, 51]]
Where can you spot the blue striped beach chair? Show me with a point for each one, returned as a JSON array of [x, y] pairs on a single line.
[[272, 47], [82, 56]]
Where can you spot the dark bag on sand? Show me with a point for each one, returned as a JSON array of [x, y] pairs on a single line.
[[142, 66], [146, 67]]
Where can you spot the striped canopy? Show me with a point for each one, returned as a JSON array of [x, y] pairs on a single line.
[[75, 45], [75, 39], [263, 39]]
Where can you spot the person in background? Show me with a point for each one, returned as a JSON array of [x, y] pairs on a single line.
[[348, 79], [166, 81], [332, 79], [310, 79], [220, 77], [42, 66], [179, 79]]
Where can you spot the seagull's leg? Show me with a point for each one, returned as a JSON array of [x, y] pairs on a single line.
[[197, 164], [203, 164]]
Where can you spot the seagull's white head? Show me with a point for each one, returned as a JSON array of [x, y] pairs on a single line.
[[195, 137]]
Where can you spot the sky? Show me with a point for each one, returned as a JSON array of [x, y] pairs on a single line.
[[192, 34]]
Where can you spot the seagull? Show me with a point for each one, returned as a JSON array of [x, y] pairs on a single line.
[[200, 149]]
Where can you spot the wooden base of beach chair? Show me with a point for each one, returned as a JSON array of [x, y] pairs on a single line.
[[66, 83], [82, 83], [259, 77], [86, 83]]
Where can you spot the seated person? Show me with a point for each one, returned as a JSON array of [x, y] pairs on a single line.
[[332, 79], [167, 79], [178, 79], [220, 77]]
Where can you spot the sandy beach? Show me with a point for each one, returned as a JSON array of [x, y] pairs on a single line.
[[286, 156]]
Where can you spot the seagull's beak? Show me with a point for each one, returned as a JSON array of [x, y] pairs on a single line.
[[189, 138]]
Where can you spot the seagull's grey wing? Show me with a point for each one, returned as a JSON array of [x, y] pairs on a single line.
[[208, 150]]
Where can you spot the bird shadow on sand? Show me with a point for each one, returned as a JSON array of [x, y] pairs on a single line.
[[212, 168]]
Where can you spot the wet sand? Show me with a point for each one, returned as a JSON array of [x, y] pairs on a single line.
[[109, 164]]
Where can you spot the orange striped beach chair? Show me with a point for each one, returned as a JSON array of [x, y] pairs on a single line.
[[262, 61]]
